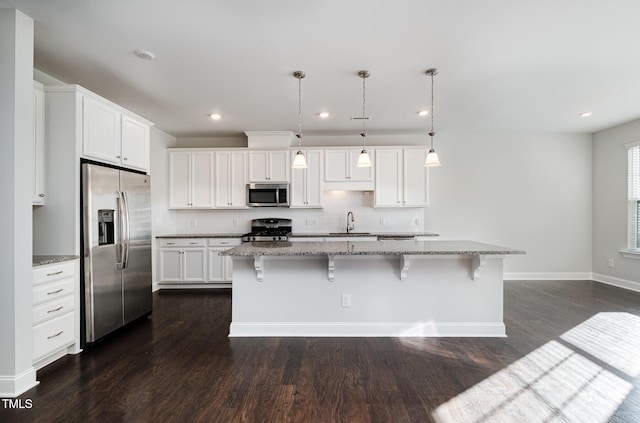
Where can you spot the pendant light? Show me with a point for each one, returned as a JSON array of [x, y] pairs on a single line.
[[299, 161], [432, 157], [364, 160]]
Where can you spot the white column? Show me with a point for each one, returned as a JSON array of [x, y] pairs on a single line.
[[16, 125]]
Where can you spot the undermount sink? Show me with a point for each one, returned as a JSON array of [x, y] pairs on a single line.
[[349, 233]]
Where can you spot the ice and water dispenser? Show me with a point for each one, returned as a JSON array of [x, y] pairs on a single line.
[[105, 227]]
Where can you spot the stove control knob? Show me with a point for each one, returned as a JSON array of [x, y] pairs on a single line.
[[274, 238], [254, 238]]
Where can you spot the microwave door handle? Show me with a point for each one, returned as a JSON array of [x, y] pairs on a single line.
[[277, 196]]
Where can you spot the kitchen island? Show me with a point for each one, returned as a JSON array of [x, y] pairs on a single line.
[[374, 288]]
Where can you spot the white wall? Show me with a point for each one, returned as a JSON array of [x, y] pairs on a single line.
[[525, 191], [163, 220], [610, 206], [16, 181]]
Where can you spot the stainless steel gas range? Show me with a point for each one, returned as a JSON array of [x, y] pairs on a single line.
[[269, 229]]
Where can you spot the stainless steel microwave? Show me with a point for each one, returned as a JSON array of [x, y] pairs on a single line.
[[268, 195]]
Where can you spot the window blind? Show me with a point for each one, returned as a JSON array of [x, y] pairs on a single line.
[[634, 195]]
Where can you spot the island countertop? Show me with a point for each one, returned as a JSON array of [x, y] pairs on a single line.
[[350, 248]]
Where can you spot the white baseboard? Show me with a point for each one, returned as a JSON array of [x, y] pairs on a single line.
[[193, 285], [423, 330], [620, 283], [13, 386], [548, 276]]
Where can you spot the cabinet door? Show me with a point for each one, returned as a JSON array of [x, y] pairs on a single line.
[[135, 143], [416, 178], [100, 131], [360, 174], [228, 268], [194, 265], [216, 265], [222, 179], [259, 166], [313, 178], [336, 165], [279, 166], [202, 179], [298, 188], [170, 265], [179, 179], [238, 181], [38, 144], [388, 187]]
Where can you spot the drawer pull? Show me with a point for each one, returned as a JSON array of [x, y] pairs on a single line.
[[193, 243], [55, 309], [223, 243], [57, 334], [171, 243], [55, 273], [55, 292]]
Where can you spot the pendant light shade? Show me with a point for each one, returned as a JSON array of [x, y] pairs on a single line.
[[299, 161], [364, 160], [432, 159]]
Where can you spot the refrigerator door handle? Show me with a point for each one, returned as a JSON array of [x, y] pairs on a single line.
[[127, 231], [120, 245]]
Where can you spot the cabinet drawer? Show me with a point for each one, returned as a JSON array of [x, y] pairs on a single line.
[[53, 290], [48, 273], [52, 335], [52, 309], [182, 242], [224, 242]]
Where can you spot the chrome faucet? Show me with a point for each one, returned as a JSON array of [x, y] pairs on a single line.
[[350, 222]]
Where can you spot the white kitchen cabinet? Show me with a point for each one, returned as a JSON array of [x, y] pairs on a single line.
[[220, 267], [113, 136], [55, 312], [269, 166], [401, 178], [38, 144], [190, 179], [230, 179], [341, 172], [194, 262], [182, 261], [307, 184]]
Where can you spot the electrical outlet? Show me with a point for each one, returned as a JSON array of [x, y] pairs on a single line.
[[235, 222], [312, 222], [383, 221], [194, 223], [611, 263], [346, 300], [416, 221]]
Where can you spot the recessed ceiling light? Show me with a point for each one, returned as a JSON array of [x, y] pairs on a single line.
[[215, 116], [423, 112], [586, 114], [324, 115], [145, 54]]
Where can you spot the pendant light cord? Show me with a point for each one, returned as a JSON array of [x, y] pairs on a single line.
[[299, 113], [364, 119], [432, 133]]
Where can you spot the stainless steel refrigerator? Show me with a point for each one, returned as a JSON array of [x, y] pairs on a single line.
[[116, 244]]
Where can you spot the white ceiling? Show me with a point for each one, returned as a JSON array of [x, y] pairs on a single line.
[[505, 65]]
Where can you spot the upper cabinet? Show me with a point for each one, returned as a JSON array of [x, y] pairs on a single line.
[[230, 179], [341, 172], [113, 136], [38, 144], [401, 178], [190, 179], [307, 184], [269, 166]]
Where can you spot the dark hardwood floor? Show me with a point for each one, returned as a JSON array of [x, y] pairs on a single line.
[[572, 354]]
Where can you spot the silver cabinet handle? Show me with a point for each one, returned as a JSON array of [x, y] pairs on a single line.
[[40, 195], [55, 309], [57, 334], [55, 273], [125, 158], [171, 243], [55, 292], [193, 243], [117, 157]]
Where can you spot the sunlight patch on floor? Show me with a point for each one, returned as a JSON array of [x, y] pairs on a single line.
[[551, 384], [613, 338]]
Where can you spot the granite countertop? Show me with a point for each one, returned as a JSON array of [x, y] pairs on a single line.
[[385, 235], [42, 260], [213, 235], [405, 247]]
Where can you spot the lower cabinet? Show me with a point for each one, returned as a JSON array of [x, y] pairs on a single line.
[[194, 262], [55, 313]]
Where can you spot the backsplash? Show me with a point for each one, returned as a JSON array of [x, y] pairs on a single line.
[[332, 218]]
